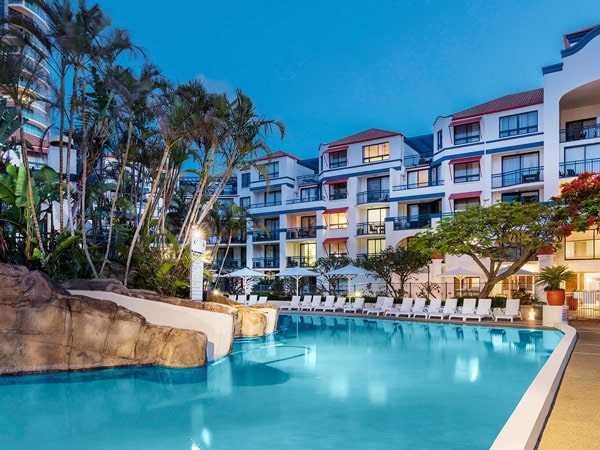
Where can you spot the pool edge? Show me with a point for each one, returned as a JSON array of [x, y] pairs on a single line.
[[525, 425]]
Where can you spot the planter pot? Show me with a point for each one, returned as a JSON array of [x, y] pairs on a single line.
[[555, 298]]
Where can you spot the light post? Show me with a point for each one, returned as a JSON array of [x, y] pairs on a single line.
[[198, 247]]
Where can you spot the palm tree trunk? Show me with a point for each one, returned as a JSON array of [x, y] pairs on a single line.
[[61, 132], [70, 205]]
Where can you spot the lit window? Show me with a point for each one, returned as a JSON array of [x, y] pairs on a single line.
[[376, 152]]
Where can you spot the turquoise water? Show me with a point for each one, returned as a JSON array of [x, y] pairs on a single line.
[[319, 383]]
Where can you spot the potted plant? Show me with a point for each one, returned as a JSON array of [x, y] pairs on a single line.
[[551, 278]]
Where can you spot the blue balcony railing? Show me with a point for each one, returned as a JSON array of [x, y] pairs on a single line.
[[266, 235], [312, 198], [423, 184], [417, 160], [372, 196], [366, 228], [580, 133], [413, 222], [338, 196], [574, 168], [301, 261], [305, 180], [266, 204], [301, 233], [521, 176], [230, 263], [265, 263]]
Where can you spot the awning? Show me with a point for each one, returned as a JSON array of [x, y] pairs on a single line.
[[465, 160], [335, 210], [455, 123], [336, 149], [460, 195], [339, 240], [337, 180]]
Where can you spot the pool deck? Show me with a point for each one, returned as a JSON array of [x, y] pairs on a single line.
[[575, 418]]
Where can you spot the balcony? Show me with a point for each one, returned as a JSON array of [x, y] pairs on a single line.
[[574, 168], [230, 263], [413, 222], [370, 228], [312, 198], [301, 233], [265, 263], [579, 133], [338, 196], [420, 185], [306, 180], [266, 204], [266, 235], [301, 261], [237, 239], [521, 176], [417, 160], [372, 197]]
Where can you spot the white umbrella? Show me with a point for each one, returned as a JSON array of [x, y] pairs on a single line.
[[245, 274], [297, 273], [351, 271], [520, 272], [461, 273]]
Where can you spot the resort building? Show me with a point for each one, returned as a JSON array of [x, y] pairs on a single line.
[[377, 188]]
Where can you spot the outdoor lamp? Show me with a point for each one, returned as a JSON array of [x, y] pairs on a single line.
[[531, 314]]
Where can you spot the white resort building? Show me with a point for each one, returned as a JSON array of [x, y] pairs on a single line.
[[377, 188]]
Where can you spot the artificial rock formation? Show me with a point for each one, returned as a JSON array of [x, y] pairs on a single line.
[[43, 328], [250, 322]]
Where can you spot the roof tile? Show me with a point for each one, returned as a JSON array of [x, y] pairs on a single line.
[[363, 136], [512, 101]]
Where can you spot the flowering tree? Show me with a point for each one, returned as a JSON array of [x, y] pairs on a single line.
[[581, 200]]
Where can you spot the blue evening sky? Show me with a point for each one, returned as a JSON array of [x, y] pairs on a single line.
[[329, 69]]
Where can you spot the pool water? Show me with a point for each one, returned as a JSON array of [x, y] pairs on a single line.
[[319, 383]]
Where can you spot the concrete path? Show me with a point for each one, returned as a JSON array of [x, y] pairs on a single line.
[[574, 422]]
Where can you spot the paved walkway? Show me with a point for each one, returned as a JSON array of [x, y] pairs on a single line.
[[574, 422]]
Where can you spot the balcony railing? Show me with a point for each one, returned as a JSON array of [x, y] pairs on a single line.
[[413, 222], [312, 198], [521, 176], [363, 256], [301, 261], [366, 228], [265, 263], [304, 180], [579, 133], [230, 263], [372, 196], [338, 196], [417, 160], [268, 235], [269, 175], [423, 184], [301, 233], [266, 204], [237, 239], [574, 168]]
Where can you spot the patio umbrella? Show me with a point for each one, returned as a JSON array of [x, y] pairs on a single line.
[[245, 274], [461, 273], [520, 272], [297, 273], [350, 271]]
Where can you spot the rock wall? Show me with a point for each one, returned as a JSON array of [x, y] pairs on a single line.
[[42, 328], [251, 322]]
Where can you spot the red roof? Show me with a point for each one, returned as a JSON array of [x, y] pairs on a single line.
[[277, 154], [363, 136], [512, 101]]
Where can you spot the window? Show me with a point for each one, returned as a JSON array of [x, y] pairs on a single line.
[[338, 191], [376, 152], [463, 203], [463, 134], [522, 197], [337, 249], [308, 254], [435, 176], [377, 215], [273, 198], [270, 170], [582, 245], [375, 246], [310, 194], [272, 227], [581, 129], [440, 144], [466, 172], [337, 221], [308, 227], [417, 179], [517, 169], [581, 159], [338, 159], [519, 124], [245, 202], [245, 179]]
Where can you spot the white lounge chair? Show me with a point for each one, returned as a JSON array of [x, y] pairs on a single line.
[[449, 308], [263, 299], [377, 308], [483, 311], [419, 307], [316, 302], [232, 297], [329, 302], [387, 303], [467, 309], [340, 303], [242, 298], [253, 300], [306, 301], [435, 306], [357, 306], [294, 304], [404, 309], [512, 310]]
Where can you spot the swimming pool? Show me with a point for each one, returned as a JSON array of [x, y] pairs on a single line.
[[320, 382]]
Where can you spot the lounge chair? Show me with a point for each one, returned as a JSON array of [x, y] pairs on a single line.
[[419, 307], [483, 311], [449, 308], [435, 306], [340, 303], [306, 301], [232, 297], [357, 306], [404, 309], [294, 304], [253, 300], [329, 302], [385, 304], [512, 310], [467, 309], [316, 302], [242, 298], [263, 299]]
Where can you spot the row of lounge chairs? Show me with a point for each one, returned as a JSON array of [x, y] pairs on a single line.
[[471, 309], [248, 300]]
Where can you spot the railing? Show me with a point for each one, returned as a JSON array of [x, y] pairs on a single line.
[[413, 222], [270, 176], [423, 184], [372, 196], [338, 196], [266, 204], [338, 164], [521, 176], [574, 168], [303, 180], [301, 233], [238, 239], [370, 228], [301, 261], [230, 263], [417, 160], [312, 198], [580, 133], [268, 235], [265, 263], [363, 256], [31, 6]]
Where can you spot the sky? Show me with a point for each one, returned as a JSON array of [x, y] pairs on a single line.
[[329, 69]]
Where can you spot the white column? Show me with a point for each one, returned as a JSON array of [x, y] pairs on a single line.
[[198, 247]]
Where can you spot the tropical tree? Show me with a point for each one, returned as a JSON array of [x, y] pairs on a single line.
[[580, 204], [325, 265], [395, 266], [492, 235]]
